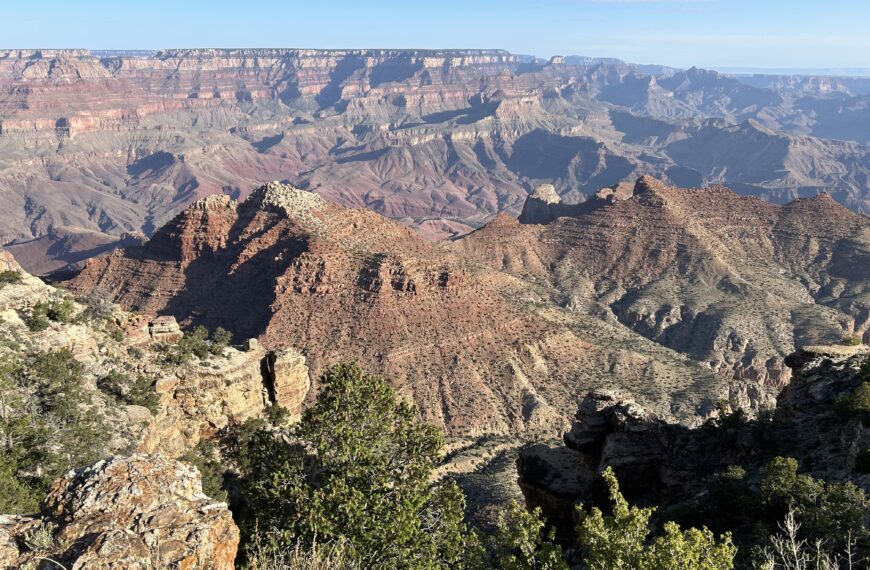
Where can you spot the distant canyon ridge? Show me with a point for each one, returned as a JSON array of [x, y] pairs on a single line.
[[101, 149]]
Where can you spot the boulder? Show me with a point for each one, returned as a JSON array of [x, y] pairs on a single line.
[[132, 513], [165, 329]]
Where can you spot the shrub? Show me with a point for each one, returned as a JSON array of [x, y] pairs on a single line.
[[57, 377], [220, 339], [197, 343], [727, 418], [359, 471], [46, 427], [620, 541], [522, 542], [37, 321], [788, 551], [132, 393], [42, 314], [266, 554], [142, 393], [851, 340], [17, 494], [23, 445], [829, 511], [60, 311], [730, 499], [97, 309], [41, 539], [9, 278], [858, 402], [206, 459]]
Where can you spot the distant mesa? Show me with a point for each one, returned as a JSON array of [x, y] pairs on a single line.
[[440, 139]]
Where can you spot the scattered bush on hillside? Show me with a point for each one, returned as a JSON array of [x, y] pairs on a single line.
[[521, 542], [60, 311], [9, 278], [22, 433], [206, 459], [828, 511], [621, 541], [139, 392], [857, 403], [220, 339], [44, 313], [37, 321], [851, 340], [198, 343], [97, 309], [726, 419], [46, 427], [730, 499]]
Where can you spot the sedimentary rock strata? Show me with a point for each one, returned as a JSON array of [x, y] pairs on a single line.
[[98, 146], [732, 281], [526, 316]]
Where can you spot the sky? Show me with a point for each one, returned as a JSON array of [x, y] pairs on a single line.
[[719, 34]]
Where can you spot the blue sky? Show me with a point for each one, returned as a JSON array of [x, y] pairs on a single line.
[[707, 33]]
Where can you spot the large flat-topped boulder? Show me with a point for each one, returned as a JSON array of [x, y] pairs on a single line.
[[831, 351]]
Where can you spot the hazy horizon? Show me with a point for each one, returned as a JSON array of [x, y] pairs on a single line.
[[714, 34], [814, 71]]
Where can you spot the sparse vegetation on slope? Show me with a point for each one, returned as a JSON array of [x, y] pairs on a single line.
[[45, 426]]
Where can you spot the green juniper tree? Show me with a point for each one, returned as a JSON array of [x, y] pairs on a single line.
[[357, 471], [621, 541]]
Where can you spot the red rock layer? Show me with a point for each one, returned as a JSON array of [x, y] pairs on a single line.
[[476, 349]]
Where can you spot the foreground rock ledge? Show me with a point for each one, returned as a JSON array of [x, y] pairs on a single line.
[[139, 512], [666, 464]]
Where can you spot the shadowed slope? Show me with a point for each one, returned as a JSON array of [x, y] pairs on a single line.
[[477, 349]]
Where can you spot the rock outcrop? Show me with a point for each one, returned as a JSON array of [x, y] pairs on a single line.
[[664, 464], [135, 513], [292, 269], [728, 280], [200, 399], [196, 399], [165, 329]]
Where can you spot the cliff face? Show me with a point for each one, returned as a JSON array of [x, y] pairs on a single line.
[[197, 399], [137, 508], [442, 140], [664, 464], [349, 285], [731, 281]]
